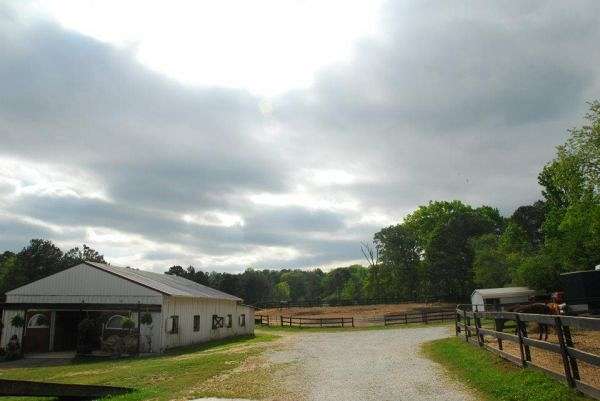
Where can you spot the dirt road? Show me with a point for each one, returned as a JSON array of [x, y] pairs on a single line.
[[383, 365]]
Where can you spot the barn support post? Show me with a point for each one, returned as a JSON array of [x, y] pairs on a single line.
[[520, 334], [139, 328], [564, 352], [569, 343], [23, 332]]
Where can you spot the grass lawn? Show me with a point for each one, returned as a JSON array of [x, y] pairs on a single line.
[[493, 378], [183, 373]]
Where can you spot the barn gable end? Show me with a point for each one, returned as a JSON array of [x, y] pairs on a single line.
[[84, 283]]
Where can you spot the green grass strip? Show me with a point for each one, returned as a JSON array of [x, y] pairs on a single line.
[[494, 378]]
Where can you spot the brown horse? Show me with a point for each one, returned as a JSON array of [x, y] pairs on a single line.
[[540, 309]]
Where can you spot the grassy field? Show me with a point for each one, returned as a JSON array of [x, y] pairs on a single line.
[[493, 378], [182, 374]]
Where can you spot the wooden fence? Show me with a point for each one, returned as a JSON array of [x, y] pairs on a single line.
[[316, 321], [340, 302], [419, 317], [263, 320], [469, 323], [65, 391]]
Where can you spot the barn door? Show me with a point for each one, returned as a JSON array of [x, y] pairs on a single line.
[[37, 332]]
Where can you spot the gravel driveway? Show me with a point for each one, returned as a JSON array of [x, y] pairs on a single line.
[[367, 365]]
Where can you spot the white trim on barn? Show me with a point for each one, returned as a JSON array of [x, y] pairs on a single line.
[[497, 298], [101, 291]]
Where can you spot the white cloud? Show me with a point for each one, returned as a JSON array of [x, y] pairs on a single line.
[[266, 46], [27, 178]]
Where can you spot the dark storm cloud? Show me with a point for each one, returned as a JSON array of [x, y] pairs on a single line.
[[451, 102]]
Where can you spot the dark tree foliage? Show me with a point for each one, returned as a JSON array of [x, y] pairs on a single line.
[[531, 218], [40, 259]]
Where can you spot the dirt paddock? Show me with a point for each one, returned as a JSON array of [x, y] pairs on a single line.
[[363, 314], [588, 341]]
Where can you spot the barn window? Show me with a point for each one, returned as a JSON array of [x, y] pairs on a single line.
[[115, 322], [174, 324], [229, 321], [197, 323], [217, 322], [38, 321], [242, 320]]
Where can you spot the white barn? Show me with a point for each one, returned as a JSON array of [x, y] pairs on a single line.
[[183, 312], [497, 298]]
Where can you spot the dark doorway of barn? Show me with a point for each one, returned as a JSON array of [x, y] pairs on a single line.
[[65, 332], [66, 329]]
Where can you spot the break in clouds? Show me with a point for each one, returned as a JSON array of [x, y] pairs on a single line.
[[448, 102]]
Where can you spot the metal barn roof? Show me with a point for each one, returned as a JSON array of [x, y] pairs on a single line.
[[164, 283], [504, 292]]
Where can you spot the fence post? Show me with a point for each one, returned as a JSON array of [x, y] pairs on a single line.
[[523, 327], [281, 319], [352, 321], [520, 334], [564, 352], [456, 320], [405, 318], [465, 325], [477, 327], [497, 328], [569, 343]]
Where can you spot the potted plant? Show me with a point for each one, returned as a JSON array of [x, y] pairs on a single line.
[[128, 324], [17, 321]]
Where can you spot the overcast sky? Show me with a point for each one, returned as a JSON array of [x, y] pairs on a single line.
[[276, 134]]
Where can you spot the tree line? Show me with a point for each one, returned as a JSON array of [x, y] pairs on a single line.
[[442, 250]]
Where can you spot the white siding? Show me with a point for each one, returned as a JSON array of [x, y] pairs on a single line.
[[152, 332], [83, 283], [186, 308]]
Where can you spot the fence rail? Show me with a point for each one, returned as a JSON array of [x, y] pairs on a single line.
[[340, 302], [469, 323], [263, 320], [316, 322], [22, 388], [419, 317]]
